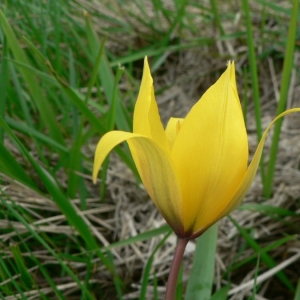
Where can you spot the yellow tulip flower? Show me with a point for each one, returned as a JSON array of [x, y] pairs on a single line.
[[196, 170]]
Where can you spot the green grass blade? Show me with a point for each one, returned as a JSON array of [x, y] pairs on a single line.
[[117, 281], [74, 166], [254, 80], [265, 257], [284, 89], [5, 288], [31, 132], [60, 199], [297, 294], [112, 113], [57, 292], [221, 294], [202, 275], [75, 157], [159, 8], [48, 79], [179, 285], [264, 250], [277, 7], [47, 115], [11, 208], [5, 269], [153, 51], [25, 278], [268, 209], [140, 237], [10, 167], [155, 288], [65, 206], [245, 98], [111, 119], [148, 267], [105, 74], [56, 8], [89, 269], [218, 23], [78, 100], [95, 71], [254, 292], [26, 13], [175, 24], [19, 100], [3, 83]]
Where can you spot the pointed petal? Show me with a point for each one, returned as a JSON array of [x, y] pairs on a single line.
[[105, 145], [252, 169], [172, 130], [146, 120], [232, 202], [156, 171], [233, 84], [211, 151]]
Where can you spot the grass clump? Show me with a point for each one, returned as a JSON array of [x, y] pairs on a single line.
[[70, 72]]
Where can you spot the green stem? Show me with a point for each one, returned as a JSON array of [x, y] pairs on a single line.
[[172, 280]]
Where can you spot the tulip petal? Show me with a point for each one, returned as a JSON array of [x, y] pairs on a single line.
[[146, 119], [231, 203], [156, 171], [172, 130], [252, 169], [211, 152]]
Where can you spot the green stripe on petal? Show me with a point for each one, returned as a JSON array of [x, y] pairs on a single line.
[[156, 170]]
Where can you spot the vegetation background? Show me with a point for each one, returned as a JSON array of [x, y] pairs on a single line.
[[69, 72]]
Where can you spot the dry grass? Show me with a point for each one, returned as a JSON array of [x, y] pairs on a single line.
[[127, 209]]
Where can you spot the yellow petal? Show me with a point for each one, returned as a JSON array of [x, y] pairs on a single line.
[[252, 169], [211, 152], [146, 119], [156, 171], [231, 203], [172, 130]]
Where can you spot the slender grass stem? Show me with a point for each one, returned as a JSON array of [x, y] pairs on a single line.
[[172, 280], [284, 90], [254, 80]]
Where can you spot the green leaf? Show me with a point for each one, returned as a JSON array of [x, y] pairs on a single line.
[[202, 276], [221, 294]]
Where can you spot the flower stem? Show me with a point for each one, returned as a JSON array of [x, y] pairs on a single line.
[[172, 280]]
